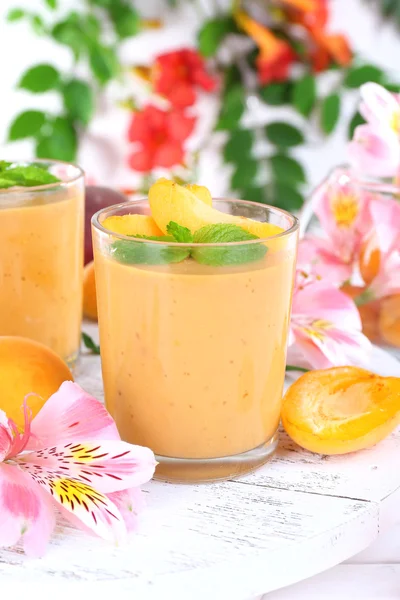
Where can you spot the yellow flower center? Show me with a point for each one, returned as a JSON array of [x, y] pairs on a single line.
[[317, 329], [395, 122], [345, 209]]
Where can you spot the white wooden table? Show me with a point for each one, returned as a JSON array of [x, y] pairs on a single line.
[[297, 516]]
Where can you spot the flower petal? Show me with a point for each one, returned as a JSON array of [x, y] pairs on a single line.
[[6, 438], [26, 511], [68, 415], [373, 152], [380, 107], [130, 503], [316, 255], [108, 466], [87, 505], [385, 214]]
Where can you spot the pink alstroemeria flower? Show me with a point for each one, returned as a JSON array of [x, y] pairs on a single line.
[[325, 327], [385, 215], [342, 209], [69, 457], [375, 147]]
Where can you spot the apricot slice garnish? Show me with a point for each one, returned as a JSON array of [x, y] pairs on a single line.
[[89, 292], [389, 320], [132, 225], [341, 410], [370, 259], [170, 201], [27, 366], [201, 192]]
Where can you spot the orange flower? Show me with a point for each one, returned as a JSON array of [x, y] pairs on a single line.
[[275, 57]]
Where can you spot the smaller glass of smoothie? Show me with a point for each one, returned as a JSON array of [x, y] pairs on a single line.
[[193, 334], [41, 258]]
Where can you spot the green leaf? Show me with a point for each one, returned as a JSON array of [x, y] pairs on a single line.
[[224, 233], [276, 94], [38, 24], [180, 234], [61, 143], [5, 183], [287, 169], [232, 108], [330, 112], [51, 4], [286, 196], [283, 134], [15, 14], [356, 120], [254, 194], [356, 76], [69, 33], [126, 19], [27, 175], [304, 95], [392, 87], [4, 164], [239, 145], [104, 63], [26, 124], [245, 173], [212, 34], [149, 254], [89, 343], [79, 100], [41, 78]]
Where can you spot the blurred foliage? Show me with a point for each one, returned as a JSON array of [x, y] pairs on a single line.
[[93, 36], [390, 9]]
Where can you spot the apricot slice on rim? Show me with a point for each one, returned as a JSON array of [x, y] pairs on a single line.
[[341, 410], [389, 320], [89, 292], [201, 192], [132, 225], [170, 201], [27, 366]]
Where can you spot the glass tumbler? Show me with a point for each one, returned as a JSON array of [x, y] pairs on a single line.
[[193, 354], [41, 260]]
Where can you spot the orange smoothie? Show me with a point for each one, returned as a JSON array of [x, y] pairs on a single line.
[[193, 356], [41, 267]]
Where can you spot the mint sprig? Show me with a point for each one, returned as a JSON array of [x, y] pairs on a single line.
[[12, 174], [218, 233], [224, 233]]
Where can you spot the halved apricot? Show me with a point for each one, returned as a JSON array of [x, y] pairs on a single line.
[[170, 201], [341, 410], [89, 292], [389, 320], [370, 259], [132, 225], [27, 366]]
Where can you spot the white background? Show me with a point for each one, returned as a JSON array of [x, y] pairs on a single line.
[[375, 574]]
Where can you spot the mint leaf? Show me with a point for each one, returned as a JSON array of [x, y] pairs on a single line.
[[26, 176], [179, 233], [140, 253], [224, 233], [89, 343]]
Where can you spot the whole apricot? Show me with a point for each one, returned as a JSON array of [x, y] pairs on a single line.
[[27, 366]]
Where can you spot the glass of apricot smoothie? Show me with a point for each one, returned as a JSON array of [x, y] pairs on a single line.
[[41, 256], [194, 299]]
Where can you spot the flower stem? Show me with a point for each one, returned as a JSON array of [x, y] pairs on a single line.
[[293, 368], [365, 297]]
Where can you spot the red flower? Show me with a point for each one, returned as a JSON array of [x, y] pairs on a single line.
[[275, 57], [275, 66], [161, 135], [176, 74]]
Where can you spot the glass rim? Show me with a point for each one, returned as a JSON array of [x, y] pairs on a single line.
[[294, 227], [46, 186], [374, 183]]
